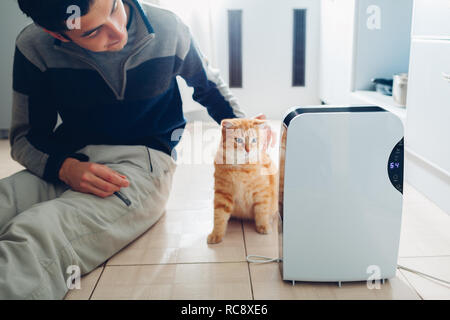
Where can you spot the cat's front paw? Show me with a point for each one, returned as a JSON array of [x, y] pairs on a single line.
[[214, 238], [264, 229]]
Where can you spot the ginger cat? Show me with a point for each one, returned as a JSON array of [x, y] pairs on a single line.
[[281, 169], [246, 179]]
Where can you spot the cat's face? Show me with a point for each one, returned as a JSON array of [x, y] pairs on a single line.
[[243, 140]]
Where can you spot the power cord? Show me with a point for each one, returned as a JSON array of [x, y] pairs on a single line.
[[262, 259], [423, 274]]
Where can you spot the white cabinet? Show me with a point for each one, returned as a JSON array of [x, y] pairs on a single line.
[[361, 40], [431, 19], [429, 101], [428, 122]]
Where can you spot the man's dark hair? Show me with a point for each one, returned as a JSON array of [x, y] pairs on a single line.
[[52, 14]]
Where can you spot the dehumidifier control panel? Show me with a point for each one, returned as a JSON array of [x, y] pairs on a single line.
[[395, 166]]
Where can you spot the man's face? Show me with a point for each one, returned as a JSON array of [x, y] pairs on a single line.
[[103, 28]]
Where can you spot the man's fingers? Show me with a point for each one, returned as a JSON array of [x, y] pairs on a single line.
[[260, 116], [89, 188], [274, 139], [110, 176], [271, 137], [103, 185]]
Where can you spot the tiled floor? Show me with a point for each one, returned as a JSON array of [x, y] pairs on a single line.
[[173, 261]]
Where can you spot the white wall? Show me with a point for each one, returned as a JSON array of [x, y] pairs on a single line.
[[12, 21], [267, 42], [383, 49], [197, 15], [336, 51]]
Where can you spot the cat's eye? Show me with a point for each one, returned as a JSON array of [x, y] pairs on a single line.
[[253, 140], [239, 140]]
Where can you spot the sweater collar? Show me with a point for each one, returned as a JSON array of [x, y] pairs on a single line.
[[144, 26]]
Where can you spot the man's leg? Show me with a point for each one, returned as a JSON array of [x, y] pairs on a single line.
[[22, 190], [83, 230]]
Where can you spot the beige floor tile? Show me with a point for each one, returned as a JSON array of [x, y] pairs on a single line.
[[261, 244], [180, 237], [194, 247], [427, 288], [7, 165], [212, 281], [177, 281], [156, 246], [135, 282], [425, 227], [219, 291], [268, 284], [192, 188], [87, 285]]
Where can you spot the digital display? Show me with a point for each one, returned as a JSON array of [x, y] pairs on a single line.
[[394, 165]]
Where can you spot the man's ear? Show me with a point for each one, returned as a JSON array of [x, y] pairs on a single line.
[[56, 35]]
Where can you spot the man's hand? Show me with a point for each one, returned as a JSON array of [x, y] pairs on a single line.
[[90, 177], [271, 135]]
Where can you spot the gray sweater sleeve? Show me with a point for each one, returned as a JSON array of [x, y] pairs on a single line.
[[34, 117]]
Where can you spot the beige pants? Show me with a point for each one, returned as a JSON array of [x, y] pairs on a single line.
[[47, 230]]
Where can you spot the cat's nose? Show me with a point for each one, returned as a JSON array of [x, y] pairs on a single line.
[[247, 149]]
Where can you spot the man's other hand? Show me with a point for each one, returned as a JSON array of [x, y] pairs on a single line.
[[90, 177], [271, 135]]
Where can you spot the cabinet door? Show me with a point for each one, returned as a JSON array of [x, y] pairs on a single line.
[[431, 19], [428, 105]]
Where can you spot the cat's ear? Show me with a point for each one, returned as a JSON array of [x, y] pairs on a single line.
[[227, 124]]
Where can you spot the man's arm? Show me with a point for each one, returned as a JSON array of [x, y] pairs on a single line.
[[34, 117], [32, 145], [209, 88]]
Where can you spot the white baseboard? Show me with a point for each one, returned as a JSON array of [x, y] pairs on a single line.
[[430, 181]]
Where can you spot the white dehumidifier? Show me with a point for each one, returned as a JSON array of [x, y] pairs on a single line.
[[341, 181]]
